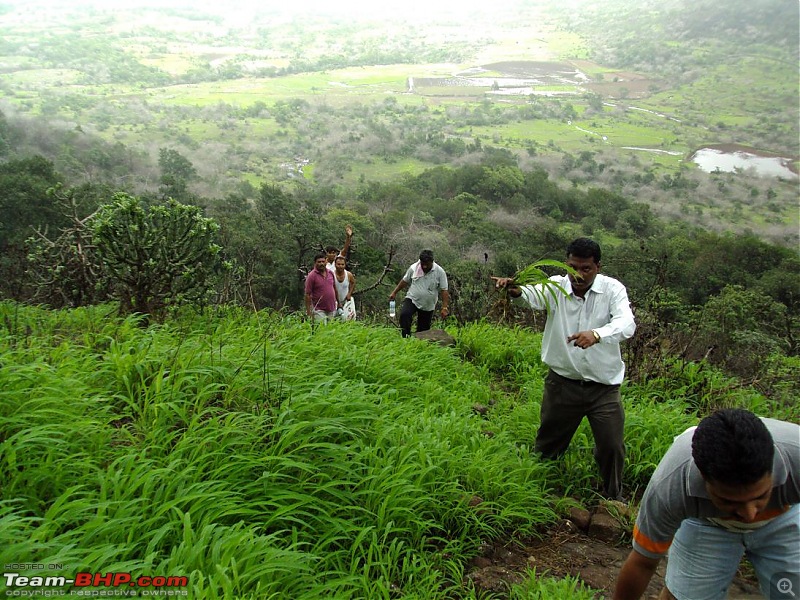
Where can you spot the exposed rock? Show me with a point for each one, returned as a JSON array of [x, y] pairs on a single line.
[[606, 528], [566, 527], [562, 554], [494, 579], [437, 336], [616, 508], [475, 501], [581, 517], [481, 562]]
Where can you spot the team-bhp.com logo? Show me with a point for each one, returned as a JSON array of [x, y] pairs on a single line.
[[111, 584]]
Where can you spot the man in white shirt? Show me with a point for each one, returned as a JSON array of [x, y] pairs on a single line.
[[425, 280], [581, 346]]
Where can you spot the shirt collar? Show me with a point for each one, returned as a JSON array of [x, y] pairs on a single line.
[[597, 289]]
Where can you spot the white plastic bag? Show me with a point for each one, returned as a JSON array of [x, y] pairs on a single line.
[[349, 310]]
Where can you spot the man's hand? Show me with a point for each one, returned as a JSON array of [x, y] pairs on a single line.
[[501, 282], [507, 282], [634, 576], [583, 339], [348, 230], [445, 312]]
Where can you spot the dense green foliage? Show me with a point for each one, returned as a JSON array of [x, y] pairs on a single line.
[[263, 458], [158, 256], [623, 33], [740, 308]]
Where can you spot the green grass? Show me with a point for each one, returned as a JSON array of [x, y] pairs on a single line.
[[536, 588], [357, 84], [262, 458], [380, 170], [567, 45], [257, 458], [42, 78]]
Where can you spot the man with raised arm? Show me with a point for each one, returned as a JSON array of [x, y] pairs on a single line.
[[332, 252]]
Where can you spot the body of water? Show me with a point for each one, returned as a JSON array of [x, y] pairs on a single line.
[[730, 160]]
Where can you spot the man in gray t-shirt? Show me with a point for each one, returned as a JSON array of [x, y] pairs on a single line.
[[425, 280], [729, 487]]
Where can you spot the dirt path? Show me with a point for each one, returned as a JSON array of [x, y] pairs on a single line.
[[563, 553]]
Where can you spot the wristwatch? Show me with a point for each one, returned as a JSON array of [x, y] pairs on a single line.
[[596, 336]]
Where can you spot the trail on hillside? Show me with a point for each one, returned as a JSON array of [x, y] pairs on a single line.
[[564, 551]]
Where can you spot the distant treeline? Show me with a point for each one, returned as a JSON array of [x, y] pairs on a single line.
[[101, 60], [634, 35]]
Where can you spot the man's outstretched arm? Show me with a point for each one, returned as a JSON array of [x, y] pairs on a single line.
[[348, 237]]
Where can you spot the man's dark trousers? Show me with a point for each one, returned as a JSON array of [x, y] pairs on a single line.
[[564, 404], [424, 318]]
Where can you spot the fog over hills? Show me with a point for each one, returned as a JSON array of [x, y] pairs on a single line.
[[361, 91], [412, 9]]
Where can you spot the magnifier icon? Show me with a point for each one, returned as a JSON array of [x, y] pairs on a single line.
[[784, 586]]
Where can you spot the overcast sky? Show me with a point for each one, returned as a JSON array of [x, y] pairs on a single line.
[[392, 7]]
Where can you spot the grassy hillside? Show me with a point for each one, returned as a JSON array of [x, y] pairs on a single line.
[[262, 459]]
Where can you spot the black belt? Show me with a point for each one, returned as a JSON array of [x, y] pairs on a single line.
[[580, 382]]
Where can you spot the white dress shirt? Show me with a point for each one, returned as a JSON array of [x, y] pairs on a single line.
[[604, 308]]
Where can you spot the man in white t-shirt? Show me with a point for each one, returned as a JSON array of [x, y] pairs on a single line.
[[332, 252], [425, 280], [345, 283]]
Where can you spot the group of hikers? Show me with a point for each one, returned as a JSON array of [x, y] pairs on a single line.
[[726, 488], [329, 285], [329, 289]]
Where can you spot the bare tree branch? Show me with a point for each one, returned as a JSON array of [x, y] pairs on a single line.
[[387, 268]]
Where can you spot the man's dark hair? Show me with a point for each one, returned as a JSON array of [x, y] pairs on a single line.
[[426, 256], [584, 248], [319, 255], [331, 249], [733, 446]]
